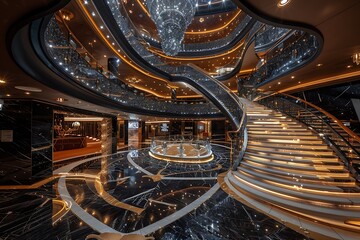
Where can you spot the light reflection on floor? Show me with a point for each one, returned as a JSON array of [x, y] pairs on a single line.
[[220, 217]]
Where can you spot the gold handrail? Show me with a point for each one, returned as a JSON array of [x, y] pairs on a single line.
[[346, 129]]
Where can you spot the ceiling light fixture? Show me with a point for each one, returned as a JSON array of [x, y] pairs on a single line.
[[60, 99], [356, 58], [283, 3], [171, 18], [28, 89], [2, 81]]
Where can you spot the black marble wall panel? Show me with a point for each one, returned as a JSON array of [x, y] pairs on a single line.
[[41, 140], [15, 156], [28, 157], [114, 134]]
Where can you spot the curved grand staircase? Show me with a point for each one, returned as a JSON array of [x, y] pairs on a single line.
[[289, 173]]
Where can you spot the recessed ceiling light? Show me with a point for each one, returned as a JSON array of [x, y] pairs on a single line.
[[283, 3], [28, 89], [348, 66], [279, 83], [59, 99], [27, 93], [319, 64], [2, 81], [292, 77], [8, 95]]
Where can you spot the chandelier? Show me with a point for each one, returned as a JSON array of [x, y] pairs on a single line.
[[171, 18]]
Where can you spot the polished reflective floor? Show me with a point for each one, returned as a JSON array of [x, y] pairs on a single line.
[[133, 193]]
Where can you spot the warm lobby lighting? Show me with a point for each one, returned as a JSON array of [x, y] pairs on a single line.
[[83, 119], [2, 81]]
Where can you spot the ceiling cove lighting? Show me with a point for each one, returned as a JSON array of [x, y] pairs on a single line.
[[171, 18], [283, 3]]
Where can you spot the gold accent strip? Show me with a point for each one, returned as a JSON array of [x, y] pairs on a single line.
[[321, 81]]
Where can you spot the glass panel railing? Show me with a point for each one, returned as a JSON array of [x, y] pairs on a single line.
[[181, 148], [267, 36], [321, 122], [76, 66], [296, 51]]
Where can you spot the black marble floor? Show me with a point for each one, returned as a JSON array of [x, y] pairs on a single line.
[[159, 189]]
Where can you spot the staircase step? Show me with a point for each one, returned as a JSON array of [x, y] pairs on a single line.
[[268, 139], [280, 132], [292, 158], [291, 152], [297, 173], [285, 136], [318, 184], [294, 191], [303, 146]]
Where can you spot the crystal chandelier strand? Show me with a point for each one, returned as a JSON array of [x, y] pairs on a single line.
[[171, 18]]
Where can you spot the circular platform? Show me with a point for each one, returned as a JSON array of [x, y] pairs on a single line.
[[184, 151]]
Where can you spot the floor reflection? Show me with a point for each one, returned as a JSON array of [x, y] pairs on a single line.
[[161, 190]]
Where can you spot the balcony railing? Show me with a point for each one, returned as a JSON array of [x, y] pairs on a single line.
[[77, 67], [296, 51], [267, 36]]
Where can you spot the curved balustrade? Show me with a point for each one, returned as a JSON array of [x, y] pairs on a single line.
[[267, 36], [326, 125], [77, 68], [298, 50]]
